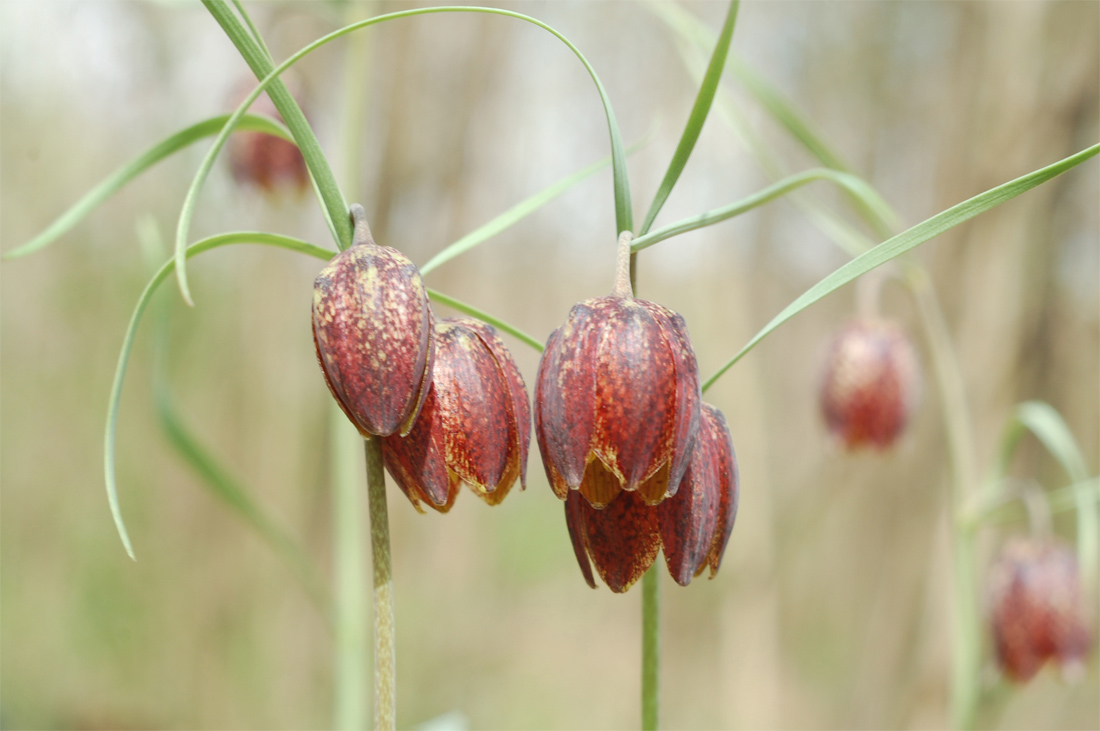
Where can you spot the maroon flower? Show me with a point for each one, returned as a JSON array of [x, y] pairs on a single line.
[[617, 399], [1036, 611], [693, 526], [372, 326], [871, 383], [475, 426], [268, 162]]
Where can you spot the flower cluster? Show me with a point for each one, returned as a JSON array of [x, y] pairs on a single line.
[[640, 461]]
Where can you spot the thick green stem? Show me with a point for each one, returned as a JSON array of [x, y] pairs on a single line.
[[385, 666], [651, 649], [350, 670]]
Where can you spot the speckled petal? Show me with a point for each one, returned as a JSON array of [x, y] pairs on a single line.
[[729, 486], [622, 539], [519, 412], [688, 395], [416, 462], [635, 393], [574, 520], [372, 326], [473, 403], [600, 486], [565, 392]]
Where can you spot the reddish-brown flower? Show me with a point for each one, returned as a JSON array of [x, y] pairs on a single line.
[[475, 426], [372, 326], [1036, 612], [617, 400], [692, 527], [871, 383], [266, 161]]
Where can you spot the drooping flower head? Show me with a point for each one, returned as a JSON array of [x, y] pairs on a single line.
[[372, 327], [1036, 611], [617, 398], [475, 427], [692, 527], [268, 162], [871, 383]]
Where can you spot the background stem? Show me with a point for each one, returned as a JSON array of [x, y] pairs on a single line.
[[350, 668], [385, 670], [651, 649]]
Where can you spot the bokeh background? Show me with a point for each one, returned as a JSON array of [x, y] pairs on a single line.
[[832, 606]]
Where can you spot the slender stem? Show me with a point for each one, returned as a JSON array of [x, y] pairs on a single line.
[[350, 669], [651, 649], [385, 661], [626, 269]]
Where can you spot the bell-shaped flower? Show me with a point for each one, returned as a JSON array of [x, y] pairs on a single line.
[[475, 427], [1036, 609], [693, 527], [372, 326], [871, 383], [617, 398]]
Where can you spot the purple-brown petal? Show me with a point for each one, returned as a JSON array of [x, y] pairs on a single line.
[[520, 408], [729, 487], [689, 518], [416, 461], [372, 326], [688, 394], [635, 394], [574, 520], [565, 392], [473, 406], [623, 539]]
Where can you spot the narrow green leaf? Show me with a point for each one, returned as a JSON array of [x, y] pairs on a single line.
[[239, 237], [239, 35], [517, 213], [857, 187], [485, 317], [697, 117], [114, 182], [907, 240]]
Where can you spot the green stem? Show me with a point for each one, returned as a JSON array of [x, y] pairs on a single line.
[[651, 649], [350, 669], [385, 670]]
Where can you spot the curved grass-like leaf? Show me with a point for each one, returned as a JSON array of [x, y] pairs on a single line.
[[907, 240], [239, 237], [1044, 421], [697, 118], [239, 34], [856, 186], [518, 212], [119, 178], [485, 317]]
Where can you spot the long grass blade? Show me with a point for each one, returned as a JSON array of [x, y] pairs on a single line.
[[518, 212], [856, 186], [213, 242], [697, 118], [119, 178], [485, 317], [907, 240]]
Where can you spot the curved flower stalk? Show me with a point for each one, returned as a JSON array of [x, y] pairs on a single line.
[[475, 427], [692, 527]]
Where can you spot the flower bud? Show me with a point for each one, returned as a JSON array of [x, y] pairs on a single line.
[[268, 162], [617, 399], [475, 427], [372, 327], [1036, 612], [692, 527], [871, 383]]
